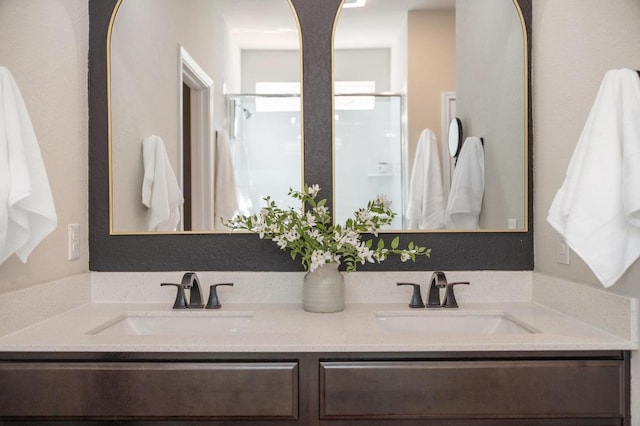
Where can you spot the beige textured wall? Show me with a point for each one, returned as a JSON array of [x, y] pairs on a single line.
[[575, 43], [44, 43], [431, 70]]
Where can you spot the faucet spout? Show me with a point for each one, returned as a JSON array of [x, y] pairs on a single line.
[[190, 280], [438, 281]]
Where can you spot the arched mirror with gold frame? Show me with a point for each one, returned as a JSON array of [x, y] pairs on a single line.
[[456, 250], [414, 66], [205, 112]]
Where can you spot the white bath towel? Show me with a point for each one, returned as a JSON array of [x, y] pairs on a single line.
[[226, 198], [467, 187], [597, 208], [425, 209], [161, 193], [27, 210]]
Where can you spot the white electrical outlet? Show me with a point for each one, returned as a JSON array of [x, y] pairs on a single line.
[[73, 241], [563, 253]]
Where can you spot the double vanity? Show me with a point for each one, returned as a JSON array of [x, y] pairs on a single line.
[[375, 363]]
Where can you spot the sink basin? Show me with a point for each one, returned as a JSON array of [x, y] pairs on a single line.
[[175, 323], [452, 323]]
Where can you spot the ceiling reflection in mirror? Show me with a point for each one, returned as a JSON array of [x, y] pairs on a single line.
[[204, 111], [403, 70]]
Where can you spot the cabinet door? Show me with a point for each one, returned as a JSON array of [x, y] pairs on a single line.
[[149, 390], [471, 389]]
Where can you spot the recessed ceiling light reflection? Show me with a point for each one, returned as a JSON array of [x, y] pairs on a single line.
[[354, 3]]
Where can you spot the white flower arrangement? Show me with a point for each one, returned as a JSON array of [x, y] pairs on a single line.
[[312, 236]]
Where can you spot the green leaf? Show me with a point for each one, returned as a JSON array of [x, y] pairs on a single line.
[[395, 243]]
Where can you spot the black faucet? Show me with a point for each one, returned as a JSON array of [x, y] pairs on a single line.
[[191, 282], [438, 281]]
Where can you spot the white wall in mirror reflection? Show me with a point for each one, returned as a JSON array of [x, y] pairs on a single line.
[[490, 51]]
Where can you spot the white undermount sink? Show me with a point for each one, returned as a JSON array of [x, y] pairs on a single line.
[[183, 323], [443, 322]]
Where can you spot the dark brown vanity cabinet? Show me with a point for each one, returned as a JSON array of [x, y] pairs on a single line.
[[113, 390], [463, 388]]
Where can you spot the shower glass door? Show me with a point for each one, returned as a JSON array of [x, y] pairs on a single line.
[[266, 149], [369, 153]]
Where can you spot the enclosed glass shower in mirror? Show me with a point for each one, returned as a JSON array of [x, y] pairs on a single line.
[[265, 147], [369, 127]]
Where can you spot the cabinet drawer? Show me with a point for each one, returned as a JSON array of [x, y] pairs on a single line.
[[465, 389], [150, 390]]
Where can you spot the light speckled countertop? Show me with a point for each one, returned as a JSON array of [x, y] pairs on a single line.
[[288, 328]]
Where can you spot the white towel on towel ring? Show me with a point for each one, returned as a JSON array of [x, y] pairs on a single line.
[[425, 209], [226, 193], [597, 208], [160, 190], [467, 187], [27, 209]]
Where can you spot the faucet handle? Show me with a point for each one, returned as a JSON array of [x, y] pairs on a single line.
[[416, 297], [214, 302], [190, 280], [438, 281], [449, 296], [181, 300]]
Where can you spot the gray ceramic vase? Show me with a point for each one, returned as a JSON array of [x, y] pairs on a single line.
[[323, 289]]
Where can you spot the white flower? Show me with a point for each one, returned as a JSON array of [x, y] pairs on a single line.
[[313, 190], [291, 235], [365, 254], [384, 202], [310, 219], [364, 215], [281, 241], [260, 228], [381, 255], [273, 228], [319, 258], [347, 237], [321, 210], [404, 256], [316, 235]]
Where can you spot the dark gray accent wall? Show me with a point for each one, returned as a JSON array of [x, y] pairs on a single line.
[[209, 252]]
